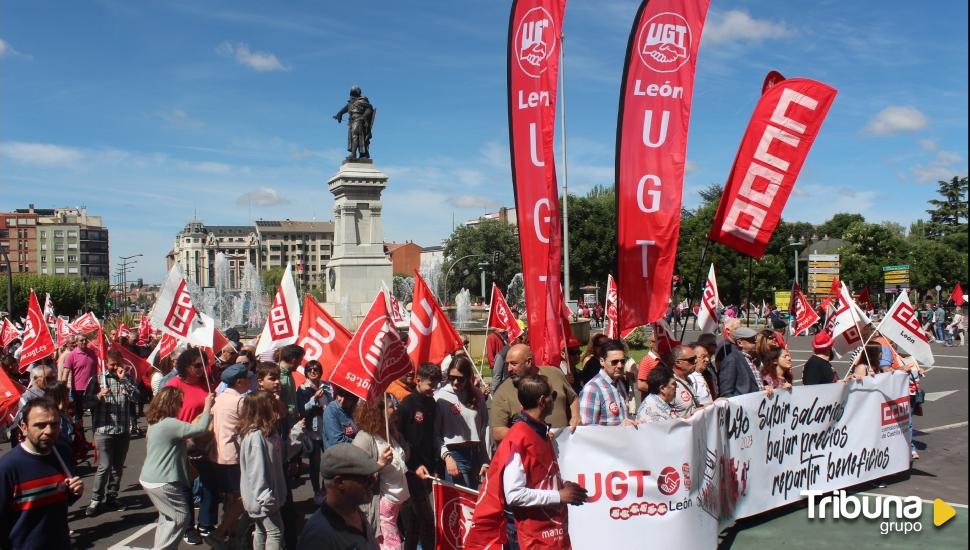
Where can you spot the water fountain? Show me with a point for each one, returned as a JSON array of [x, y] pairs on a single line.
[[515, 292], [403, 288], [432, 273], [231, 307], [463, 308]]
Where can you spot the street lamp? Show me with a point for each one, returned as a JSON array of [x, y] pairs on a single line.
[[124, 275], [795, 244], [494, 255]]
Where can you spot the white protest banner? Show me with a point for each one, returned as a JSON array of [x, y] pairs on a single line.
[[680, 482]]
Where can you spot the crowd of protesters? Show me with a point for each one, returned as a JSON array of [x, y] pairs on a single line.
[[230, 436]]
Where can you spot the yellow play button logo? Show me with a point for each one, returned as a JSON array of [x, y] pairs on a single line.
[[942, 512]]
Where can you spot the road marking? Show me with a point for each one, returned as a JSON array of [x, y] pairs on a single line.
[[943, 427], [937, 395], [964, 506], [934, 355], [123, 545]]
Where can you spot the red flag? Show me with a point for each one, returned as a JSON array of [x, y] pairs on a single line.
[[666, 341], [86, 323], [453, 510], [144, 331], [805, 315], [323, 338], [174, 311], [8, 333], [500, 315], [63, 331], [611, 326], [38, 343], [166, 345], [567, 329], [535, 29], [123, 331], [957, 295], [431, 337], [100, 345], [774, 147], [375, 356], [138, 367], [864, 300], [655, 98], [10, 392]]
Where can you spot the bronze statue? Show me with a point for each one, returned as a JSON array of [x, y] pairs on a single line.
[[359, 124]]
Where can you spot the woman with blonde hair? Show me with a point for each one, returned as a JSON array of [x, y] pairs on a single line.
[[165, 472], [390, 454], [261, 460]]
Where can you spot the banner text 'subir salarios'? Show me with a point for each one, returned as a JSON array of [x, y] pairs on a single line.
[[651, 152], [535, 31]]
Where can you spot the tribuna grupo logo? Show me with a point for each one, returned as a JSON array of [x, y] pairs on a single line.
[[895, 514]]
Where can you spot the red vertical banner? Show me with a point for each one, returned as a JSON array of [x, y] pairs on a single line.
[[535, 31], [781, 132], [651, 152]]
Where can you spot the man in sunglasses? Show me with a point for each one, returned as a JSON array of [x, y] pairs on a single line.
[[683, 359], [603, 400]]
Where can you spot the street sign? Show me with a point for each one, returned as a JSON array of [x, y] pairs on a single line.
[[895, 278], [822, 270]]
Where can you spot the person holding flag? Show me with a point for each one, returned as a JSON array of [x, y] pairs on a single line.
[[460, 423]]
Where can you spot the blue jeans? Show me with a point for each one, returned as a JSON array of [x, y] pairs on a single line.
[[469, 459], [938, 329]]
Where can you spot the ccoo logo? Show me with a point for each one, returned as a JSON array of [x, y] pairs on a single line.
[[535, 41], [664, 42]]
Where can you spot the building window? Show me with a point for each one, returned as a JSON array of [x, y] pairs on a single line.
[[58, 259], [72, 246], [72, 234], [58, 234], [72, 259], [43, 259], [58, 270], [43, 234], [43, 270], [72, 270]]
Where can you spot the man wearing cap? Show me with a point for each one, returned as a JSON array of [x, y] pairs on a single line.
[[727, 345], [818, 369], [222, 475], [348, 475], [505, 401], [738, 373]]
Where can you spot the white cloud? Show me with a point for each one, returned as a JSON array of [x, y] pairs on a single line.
[[943, 166], [209, 167], [472, 201], [928, 144], [472, 178], [266, 196], [738, 26], [181, 118], [42, 154], [814, 204], [895, 119], [258, 61], [6, 50], [690, 166]]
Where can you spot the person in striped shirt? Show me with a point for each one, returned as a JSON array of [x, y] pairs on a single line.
[[36, 485], [603, 399]]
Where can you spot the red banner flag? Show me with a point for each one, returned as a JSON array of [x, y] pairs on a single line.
[[453, 509], [535, 29], [864, 300], [774, 147], [166, 345], [611, 325], [500, 315], [8, 333], [138, 367], [323, 338], [805, 315], [174, 312], [63, 331], [375, 356], [10, 392], [38, 343], [431, 337], [144, 331], [86, 324], [654, 113], [957, 295]]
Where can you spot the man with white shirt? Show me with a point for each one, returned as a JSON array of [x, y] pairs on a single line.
[[524, 477]]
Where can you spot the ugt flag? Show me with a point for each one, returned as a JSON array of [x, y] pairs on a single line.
[[902, 326], [323, 338], [8, 333], [38, 343], [707, 314], [453, 509], [283, 321], [431, 336], [375, 356], [774, 147], [86, 323], [801, 309], [500, 315], [173, 312]]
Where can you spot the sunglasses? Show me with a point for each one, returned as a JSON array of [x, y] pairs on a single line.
[[616, 362], [691, 360], [314, 369], [456, 378]]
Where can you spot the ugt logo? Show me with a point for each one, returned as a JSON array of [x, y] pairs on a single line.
[[535, 41], [664, 42], [904, 315]]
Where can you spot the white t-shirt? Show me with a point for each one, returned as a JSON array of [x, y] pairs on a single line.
[[394, 486]]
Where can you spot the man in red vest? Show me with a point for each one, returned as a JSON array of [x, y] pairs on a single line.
[[524, 478]]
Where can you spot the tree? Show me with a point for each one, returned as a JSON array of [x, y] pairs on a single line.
[[592, 238], [870, 247], [491, 241], [271, 279], [835, 227], [70, 295], [953, 206]]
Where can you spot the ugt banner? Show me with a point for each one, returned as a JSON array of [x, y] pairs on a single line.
[[535, 31], [651, 152], [678, 483], [779, 136]]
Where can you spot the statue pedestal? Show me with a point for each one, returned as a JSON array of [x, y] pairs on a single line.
[[358, 264]]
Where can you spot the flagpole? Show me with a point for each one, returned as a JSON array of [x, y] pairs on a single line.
[[485, 341], [205, 371], [747, 309], [565, 171], [690, 295]]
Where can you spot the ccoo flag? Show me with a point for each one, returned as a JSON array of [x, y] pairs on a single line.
[[283, 321], [707, 313], [535, 33], [774, 147], [902, 326], [651, 152], [173, 312]]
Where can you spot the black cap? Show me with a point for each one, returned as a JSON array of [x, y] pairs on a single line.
[[345, 459]]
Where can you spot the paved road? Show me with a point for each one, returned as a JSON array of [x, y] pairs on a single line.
[[940, 473]]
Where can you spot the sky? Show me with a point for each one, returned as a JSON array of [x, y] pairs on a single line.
[[152, 113]]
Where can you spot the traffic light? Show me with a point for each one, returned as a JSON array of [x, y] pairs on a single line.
[[109, 303]]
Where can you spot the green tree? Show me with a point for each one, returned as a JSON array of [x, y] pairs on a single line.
[[592, 238], [948, 211], [71, 295], [870, 247], [491, 241], [835, 227], [271, 279]]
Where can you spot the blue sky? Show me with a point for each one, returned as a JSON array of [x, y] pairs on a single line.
[[151, 112]]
